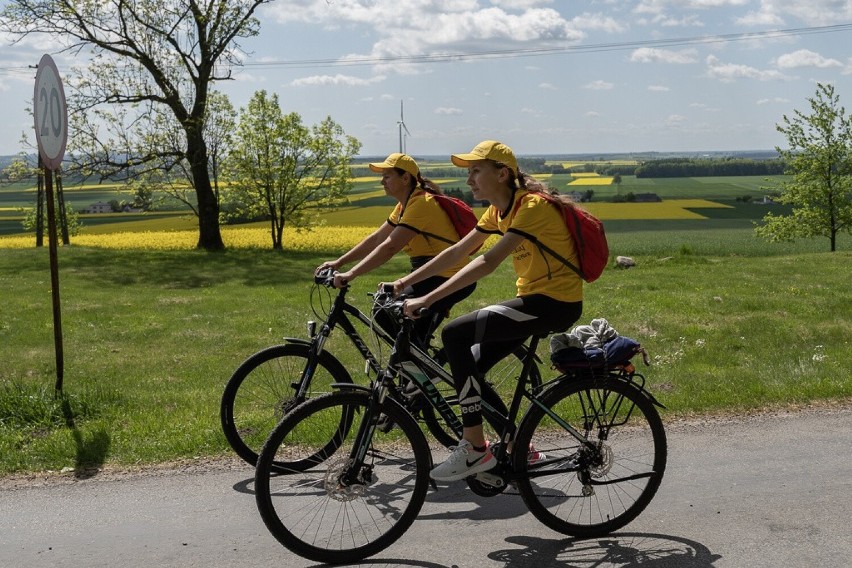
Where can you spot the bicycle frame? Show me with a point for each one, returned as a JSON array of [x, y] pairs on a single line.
[[406, 359]]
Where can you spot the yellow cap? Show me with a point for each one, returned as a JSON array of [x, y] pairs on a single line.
[[397, 160], [488, 150]]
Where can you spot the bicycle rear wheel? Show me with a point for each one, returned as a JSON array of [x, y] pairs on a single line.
[[262, 390], [590, 490], [310, 511]]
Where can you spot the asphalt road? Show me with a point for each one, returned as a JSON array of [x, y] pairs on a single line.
[[771, 490]]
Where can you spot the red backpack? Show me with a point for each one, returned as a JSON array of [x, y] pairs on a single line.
[[588, 235], [460, 214]]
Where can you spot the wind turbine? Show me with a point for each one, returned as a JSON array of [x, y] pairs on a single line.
[[401, 125]]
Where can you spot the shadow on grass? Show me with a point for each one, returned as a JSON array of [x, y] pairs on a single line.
[[188, 269], [91, 451]]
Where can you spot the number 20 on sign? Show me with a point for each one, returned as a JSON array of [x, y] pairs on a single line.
[[50, 113]]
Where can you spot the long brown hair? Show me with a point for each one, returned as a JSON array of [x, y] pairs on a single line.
[[425, 183], [529, 183]]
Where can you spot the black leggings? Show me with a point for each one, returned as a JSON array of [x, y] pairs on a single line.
[[424, 327], [475, 342]]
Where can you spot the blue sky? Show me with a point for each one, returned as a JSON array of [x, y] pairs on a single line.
[[542, 76]]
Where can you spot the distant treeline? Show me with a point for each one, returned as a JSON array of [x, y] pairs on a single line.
[[662, 168], [683, 167]]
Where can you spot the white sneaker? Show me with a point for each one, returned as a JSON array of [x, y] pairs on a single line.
[[463, 461]]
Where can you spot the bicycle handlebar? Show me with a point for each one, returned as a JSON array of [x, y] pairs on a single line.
[[384, 298], [325, 277]]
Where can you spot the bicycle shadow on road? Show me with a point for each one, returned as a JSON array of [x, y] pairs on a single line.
[[620, 550]]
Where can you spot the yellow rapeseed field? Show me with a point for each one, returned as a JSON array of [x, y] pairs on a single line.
[[669, 209], [330, 237], [322, 239], [598, 180]]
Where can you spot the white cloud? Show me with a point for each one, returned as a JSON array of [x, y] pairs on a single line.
[[805, 58], [658, 88], [780, 100], [442, 27], [728, 72], [600, 22], [760, 18], [812, 13], [598, 85], [692, 21], [652, 55], [337, 80], [675, 120], [448, 110], [519, 4], [547, 87]]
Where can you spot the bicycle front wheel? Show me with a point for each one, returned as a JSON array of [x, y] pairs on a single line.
[[263, 389], [593, 487], [315, 513]]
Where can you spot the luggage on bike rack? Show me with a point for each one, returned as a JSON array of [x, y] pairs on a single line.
[[597, 346]]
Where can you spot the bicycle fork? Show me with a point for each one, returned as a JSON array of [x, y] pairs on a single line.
[[358, 471]]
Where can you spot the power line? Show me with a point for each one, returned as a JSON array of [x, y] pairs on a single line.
[[536, 52], [531, 52]]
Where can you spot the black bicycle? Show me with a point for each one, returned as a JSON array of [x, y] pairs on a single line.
[[587, 457], [270, 383]]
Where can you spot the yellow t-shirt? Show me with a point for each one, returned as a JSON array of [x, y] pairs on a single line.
[[423, 214], [538, 272]]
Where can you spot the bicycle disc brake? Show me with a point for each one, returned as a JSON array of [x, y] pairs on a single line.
[[334, 485]]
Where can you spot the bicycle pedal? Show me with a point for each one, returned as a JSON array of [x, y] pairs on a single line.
[[490, 479]]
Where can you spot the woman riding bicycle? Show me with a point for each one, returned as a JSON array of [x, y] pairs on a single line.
[[549, 294], [419, 226]]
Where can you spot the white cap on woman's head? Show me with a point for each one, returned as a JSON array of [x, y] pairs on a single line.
[[488, 150], [397, 160]]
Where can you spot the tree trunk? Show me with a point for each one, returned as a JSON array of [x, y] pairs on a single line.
[[209, 235]]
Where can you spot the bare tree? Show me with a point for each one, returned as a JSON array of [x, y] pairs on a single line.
[[149, 59]]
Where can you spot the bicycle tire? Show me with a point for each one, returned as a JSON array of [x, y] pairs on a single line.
[[315, 516], [261, 392], [588, 493]]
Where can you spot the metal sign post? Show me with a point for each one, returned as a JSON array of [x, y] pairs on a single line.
[[51, 127]]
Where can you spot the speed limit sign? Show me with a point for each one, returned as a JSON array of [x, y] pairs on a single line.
[[51, 114]]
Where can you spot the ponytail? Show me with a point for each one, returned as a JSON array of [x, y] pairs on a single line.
[[535, 186], [429, 186]]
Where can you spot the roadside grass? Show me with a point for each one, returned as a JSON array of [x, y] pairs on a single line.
[[151, 337]]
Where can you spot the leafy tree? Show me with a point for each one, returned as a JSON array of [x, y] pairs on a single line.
[[148, 58], [174, 177], [819, 158], [279, 168], [31, 222]]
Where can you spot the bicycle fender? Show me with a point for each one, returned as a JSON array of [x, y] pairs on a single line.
[[297, 340], [653, 400]]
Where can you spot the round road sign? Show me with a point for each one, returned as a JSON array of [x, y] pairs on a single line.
[[51, 114]]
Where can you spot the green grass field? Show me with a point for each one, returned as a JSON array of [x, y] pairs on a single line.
[[150, 338]]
